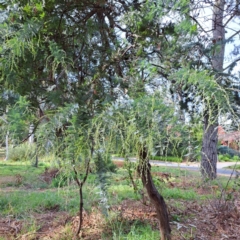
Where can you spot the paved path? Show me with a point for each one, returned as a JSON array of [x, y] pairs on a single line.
[[190, 165]]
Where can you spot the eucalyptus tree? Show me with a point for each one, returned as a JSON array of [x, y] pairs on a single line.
[[212, 41], [187, 48], [223, 13]]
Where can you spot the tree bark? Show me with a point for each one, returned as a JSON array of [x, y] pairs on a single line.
[[7, 146], [210, 137], [31, 134], [209, 149], [218, 36], [155, 198]]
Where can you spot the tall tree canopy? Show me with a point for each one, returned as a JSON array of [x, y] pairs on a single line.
[[69, 51]]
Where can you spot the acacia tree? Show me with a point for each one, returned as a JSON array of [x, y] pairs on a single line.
[[57, 52], [140, 125]]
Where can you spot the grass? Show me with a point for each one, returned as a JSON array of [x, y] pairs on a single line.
[[176, 193], [23, 174], [237, 167], [25, 168], [21, 201], [122, 192], [176, 171], [32, 194], [21, 204], [139, 230], [166, 158]]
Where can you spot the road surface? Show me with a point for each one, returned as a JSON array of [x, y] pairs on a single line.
[[192, 166]]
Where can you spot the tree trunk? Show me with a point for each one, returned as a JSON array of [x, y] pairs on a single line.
[[36, 156], [7, 146], [210, 137], [209, 149], [31, 134], [218, 36], [155, 198]]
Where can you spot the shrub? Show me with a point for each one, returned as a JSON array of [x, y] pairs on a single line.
[[22, 152], [225, 158], [235, 158]]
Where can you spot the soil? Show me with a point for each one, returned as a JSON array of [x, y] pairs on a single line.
[[49, 174]]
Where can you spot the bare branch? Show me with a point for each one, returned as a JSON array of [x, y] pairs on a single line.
[[129, 47], [231, 17], [196, 21], [238, 59], [236, 33], [76, 177], [233, 89]]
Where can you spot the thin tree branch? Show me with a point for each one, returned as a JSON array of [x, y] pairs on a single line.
[[228, 20], [196, 21], [236, 33], [238, 59], [129, 47], [233, 89]]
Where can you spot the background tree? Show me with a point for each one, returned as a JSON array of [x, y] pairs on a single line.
[[15, 121], [182, 45]]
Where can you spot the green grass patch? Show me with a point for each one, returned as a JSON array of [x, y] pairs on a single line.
[[175, 171], [118, 229], [8, 168], [176, 193], [23, 173], [228, 158], [237, 167], [166, 158], [21, 203], [122, 192]]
